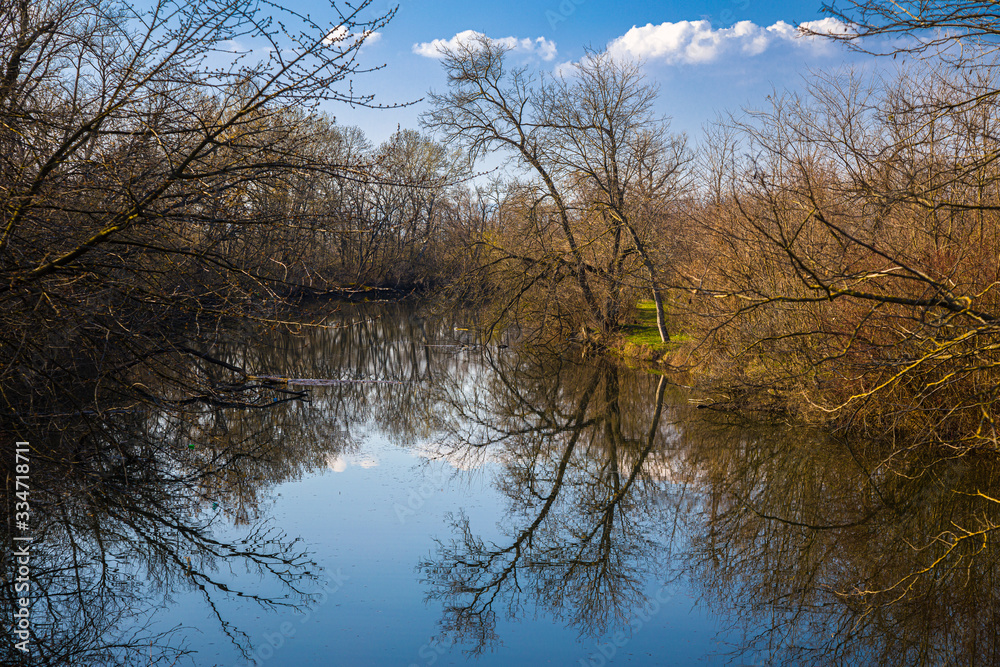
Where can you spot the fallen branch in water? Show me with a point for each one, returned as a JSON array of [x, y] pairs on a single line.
[[319, 382]]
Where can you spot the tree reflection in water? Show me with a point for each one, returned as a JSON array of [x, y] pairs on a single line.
[[129, 497], [127, 504], [827, 552], [817, 551], [583, 457]]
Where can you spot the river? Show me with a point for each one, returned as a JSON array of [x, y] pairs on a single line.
[[420, 491]]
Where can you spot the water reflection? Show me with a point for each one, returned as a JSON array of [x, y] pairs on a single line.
[[584, 450], [817, 551], [125, 509], [133, 502], [840, 554]]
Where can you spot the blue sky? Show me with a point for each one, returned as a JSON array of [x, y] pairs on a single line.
[[707, 56]]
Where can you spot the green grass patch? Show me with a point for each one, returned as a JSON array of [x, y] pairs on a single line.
[[644, 332]]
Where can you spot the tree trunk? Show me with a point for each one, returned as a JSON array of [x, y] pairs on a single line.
[[640, 247], [661, 323]]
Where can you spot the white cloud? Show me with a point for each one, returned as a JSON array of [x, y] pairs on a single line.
[[827, 26], [339, 463], [566, 69], [541, 47], [340, 35], [696, 42]]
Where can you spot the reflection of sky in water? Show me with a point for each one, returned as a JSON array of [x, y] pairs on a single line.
[[369, 518], [340, 462]]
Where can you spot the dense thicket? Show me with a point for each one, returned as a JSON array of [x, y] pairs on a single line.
[[851, 260], [162, 168]]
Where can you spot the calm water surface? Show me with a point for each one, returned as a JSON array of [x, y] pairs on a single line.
[[466, 504], [437, 497]]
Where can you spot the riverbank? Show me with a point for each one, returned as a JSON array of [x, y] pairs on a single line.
[[638, 343]]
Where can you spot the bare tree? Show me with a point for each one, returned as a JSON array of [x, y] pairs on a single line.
[[931, 28], [619, 154], [598, 153]]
